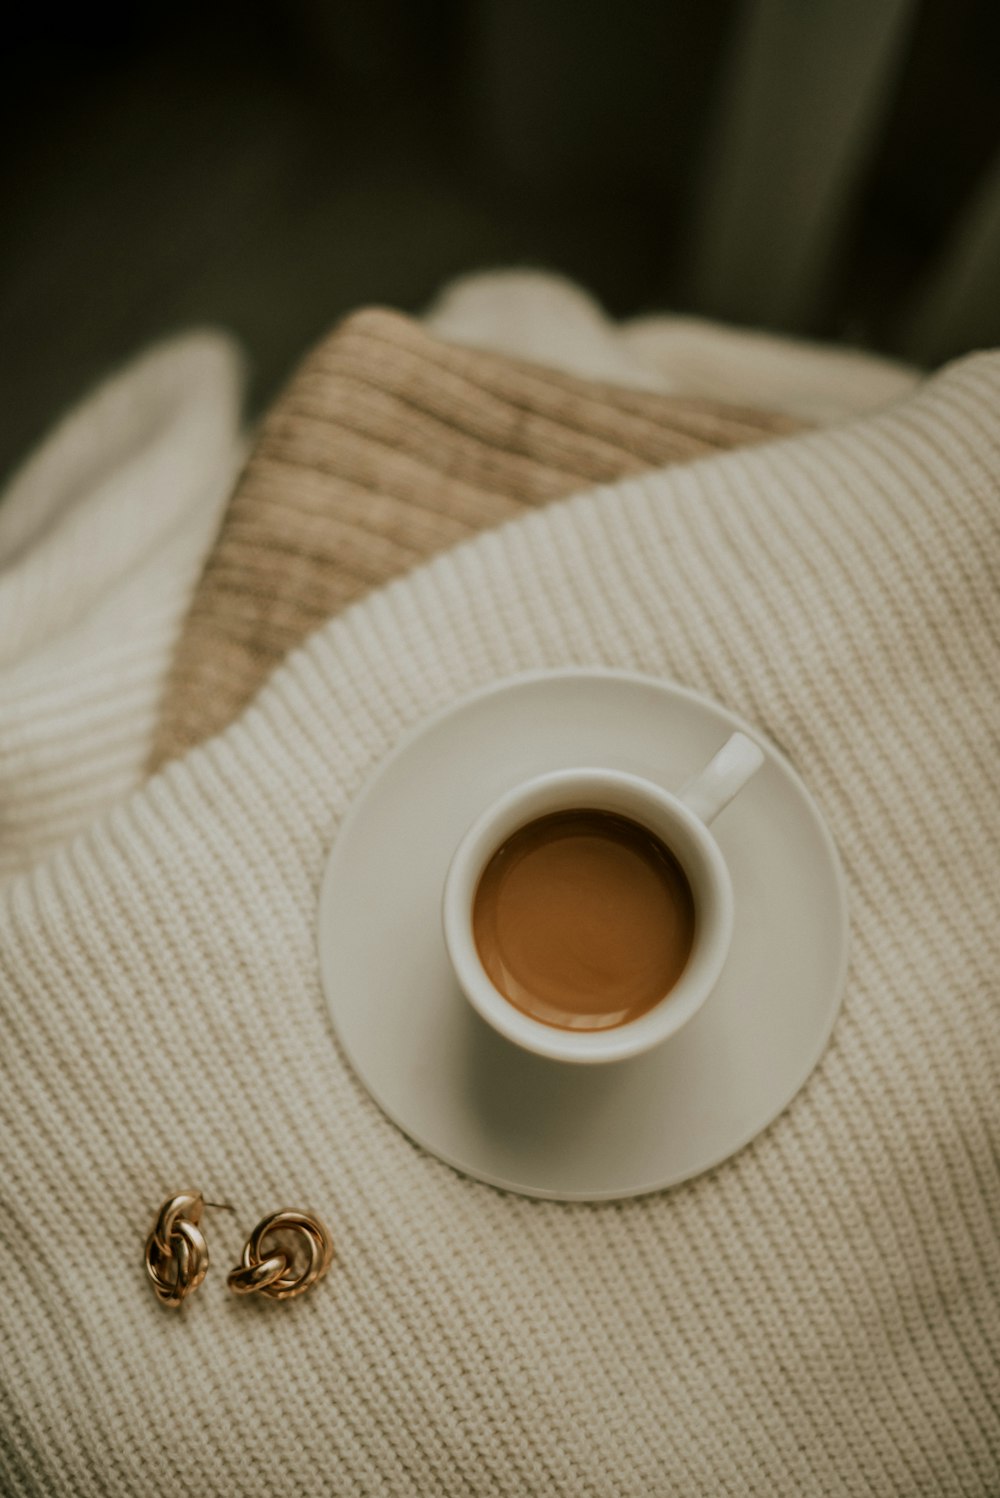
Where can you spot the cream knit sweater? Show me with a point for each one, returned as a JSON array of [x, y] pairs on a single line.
[[819, 1315]]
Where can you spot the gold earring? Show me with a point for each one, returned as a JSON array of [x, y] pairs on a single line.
[[176, 1251], [280, 1273]]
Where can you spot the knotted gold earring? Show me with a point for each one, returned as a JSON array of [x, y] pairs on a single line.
[[176, 1251], [298, 1257]]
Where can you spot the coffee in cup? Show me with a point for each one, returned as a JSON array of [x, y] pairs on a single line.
[[583, 919]]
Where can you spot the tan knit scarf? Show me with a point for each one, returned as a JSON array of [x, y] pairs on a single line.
[[388, 446]]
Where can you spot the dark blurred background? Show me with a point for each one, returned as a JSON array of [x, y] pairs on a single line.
[[826, 167]]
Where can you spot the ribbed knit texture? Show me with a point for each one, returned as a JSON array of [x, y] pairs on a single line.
[[819, 1315], [387, 447]]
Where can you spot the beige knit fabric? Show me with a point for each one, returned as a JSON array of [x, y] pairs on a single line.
[[819, 1315], [387, 447]]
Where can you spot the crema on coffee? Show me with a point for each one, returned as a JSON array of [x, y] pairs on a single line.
[[583, 919]]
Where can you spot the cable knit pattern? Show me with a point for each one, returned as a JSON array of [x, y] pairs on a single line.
[[819, 1315]]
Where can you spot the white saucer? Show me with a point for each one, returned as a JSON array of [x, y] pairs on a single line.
[[548, 1128]]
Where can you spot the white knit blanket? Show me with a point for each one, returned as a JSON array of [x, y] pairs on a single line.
[[819, 1315], [103, 533]]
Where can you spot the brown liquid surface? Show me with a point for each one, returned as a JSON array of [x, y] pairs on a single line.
[[583, 920]]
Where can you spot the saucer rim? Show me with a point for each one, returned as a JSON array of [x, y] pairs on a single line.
[[498, 686]]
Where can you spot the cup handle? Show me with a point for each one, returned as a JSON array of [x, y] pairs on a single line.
[[725, 775]]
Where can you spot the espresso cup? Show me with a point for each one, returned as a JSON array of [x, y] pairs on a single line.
[[679, 820]]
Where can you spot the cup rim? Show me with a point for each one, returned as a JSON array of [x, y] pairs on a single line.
[[713, 932]]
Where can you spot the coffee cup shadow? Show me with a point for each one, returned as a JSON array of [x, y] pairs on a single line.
[[522, 1098]]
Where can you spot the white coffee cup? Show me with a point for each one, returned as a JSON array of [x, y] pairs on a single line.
[[680, 820]]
